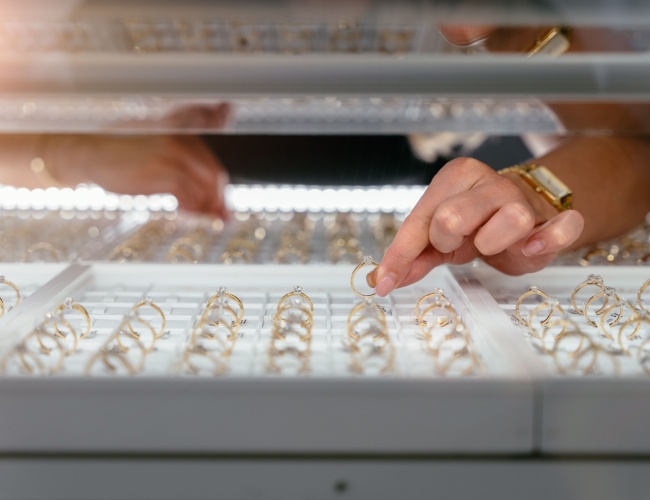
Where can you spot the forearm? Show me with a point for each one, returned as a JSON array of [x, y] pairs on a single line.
[[610, 179], [64, 157]]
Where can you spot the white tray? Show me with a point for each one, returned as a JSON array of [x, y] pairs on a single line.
[[249, 410], [604, 413]]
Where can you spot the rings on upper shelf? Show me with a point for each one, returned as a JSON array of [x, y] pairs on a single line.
[[4, 281], [367, 261], [533, 291]]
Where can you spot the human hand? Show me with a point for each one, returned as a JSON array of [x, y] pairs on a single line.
[[471, 211], [181, 165]]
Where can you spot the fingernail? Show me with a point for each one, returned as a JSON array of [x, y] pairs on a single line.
[[386, 284], [533, 247]]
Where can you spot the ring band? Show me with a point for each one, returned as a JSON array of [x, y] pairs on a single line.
[[4, 281], [299, 294], [220, 297], [148, 302], [367, 261], [70, 305], [592, 280], [607, 293], [639, 296], [534, 290]]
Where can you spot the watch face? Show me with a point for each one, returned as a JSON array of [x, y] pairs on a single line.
[[554, 43], [545, 178]]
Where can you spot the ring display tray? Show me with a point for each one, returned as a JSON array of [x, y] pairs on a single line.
[[594, 391], [258, 402]]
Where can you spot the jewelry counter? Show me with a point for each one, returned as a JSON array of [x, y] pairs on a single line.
[[154, 366], [146, 353]]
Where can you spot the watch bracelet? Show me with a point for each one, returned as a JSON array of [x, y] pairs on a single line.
[[523, 170]]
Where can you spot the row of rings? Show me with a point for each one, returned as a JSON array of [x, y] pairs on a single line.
[[44, 349], [445, 335], [134, 338], [343, 238], [295, 240], [634, 251], [140, 245], [214, 335], [291, 334], [573, 350], [244, 245], [193, 246]]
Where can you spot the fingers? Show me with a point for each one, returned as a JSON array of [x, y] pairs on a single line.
[[202, 166], [412, 239], [512, 222], [198, 117], [488, 203], [555, 235], [464, 35]]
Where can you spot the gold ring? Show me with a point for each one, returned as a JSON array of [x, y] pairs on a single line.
[[206, 321], [367, 261], [592, 280], [219, 361], [383, 360], [70, 305], [40, 332], [43, 247], [282, 254], [290, 315], [298, 294], [567, 326], [553, 305], [4, 281], [636, 321], [596, 252], [148, 302], [436, 295], [607, 293], [130, 331], [377, 327], [534, 290], [221, 298], [639, 295]]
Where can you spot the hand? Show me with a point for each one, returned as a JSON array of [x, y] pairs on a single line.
[[181, 165], [471, 211]]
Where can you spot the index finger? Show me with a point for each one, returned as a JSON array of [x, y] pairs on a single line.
[[413, 237]]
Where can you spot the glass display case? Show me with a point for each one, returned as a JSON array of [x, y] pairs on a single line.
[[152, 352]]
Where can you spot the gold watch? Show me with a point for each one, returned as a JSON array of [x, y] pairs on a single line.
[[556, 41], [546, 183]]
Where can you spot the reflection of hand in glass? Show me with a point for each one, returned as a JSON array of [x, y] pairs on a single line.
[[181, 165], [186, 118]]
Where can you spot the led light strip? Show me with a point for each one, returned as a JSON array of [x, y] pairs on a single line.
[[254, 198]]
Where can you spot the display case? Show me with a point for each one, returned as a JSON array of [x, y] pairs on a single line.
[[150, 352]]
